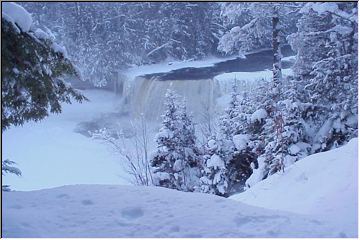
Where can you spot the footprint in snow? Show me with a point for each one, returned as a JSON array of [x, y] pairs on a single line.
[[16, 206], [192, 235], [175, 229], [63, 195], [87, 202], [132, 213]]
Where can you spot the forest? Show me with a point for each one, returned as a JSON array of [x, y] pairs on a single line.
[[246, 101]]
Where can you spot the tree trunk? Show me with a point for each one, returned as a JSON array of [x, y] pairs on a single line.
[[277, 75]]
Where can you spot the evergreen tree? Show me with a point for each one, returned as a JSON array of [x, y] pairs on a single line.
[[6, 167], [215, 176], [330, 72], [228, 155], [104, 37], [176, 162], [33, 69]]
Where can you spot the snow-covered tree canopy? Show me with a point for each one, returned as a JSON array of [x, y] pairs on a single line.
[[103, 37], [33, 66], [251, 25]]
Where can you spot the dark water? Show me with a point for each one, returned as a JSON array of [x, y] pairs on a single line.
[[254, 62]]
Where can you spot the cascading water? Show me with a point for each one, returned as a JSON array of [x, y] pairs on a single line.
[[205, 89], [146, 96]]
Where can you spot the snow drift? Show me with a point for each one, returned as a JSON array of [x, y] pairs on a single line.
[[323, 185], [133, 211]]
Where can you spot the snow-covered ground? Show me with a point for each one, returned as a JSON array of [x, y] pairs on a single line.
[[320, 191], [49, 153], [133, 211], [324, 185]]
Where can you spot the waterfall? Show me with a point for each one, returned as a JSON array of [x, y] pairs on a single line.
[[146, 96]]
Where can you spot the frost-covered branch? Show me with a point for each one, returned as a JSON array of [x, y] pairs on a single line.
[[133, 151]]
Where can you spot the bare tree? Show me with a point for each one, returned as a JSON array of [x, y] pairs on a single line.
[[133, 150]]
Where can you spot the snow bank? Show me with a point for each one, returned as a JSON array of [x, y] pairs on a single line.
[[323, 185], [133, 211], [16, 14]]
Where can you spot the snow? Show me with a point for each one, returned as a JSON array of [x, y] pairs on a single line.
[[324, 7], [162, 176], [240, 141], [212, 145], [257, 174], [16, 71], [247, 81], [178, 165], [294, 149], [41, 34], [323, 185], [49, 153], [60, 49], [266, 74], [289, 58], [258, 115], [17, 15], [136, 211], [216, 162]]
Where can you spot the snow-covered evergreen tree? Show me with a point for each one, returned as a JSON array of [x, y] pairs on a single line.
[[253, 25], [176, 162], [215, 174], [228, 155], [33, 70], [330, 72], [103, 37], [189, 150]]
